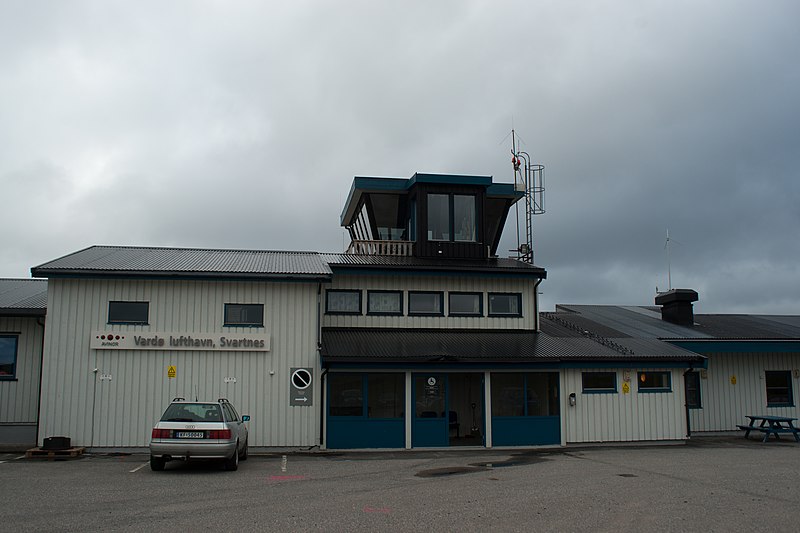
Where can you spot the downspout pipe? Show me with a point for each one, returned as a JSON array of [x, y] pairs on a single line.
[[536, 304]]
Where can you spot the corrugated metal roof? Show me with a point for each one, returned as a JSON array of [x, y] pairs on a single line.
[[23, 296], [132, 260], [746, 327], [634, 324], [445, 345], [645, 322], [417, 263]]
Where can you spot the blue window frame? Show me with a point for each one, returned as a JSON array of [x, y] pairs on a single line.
[[128, 312], [599, 382], [505, 304], [367, 395], [342, 302], [465, 304], [384, 302], [422, 303], [8, 356], [656, 381], [244, 315], [779, 388]]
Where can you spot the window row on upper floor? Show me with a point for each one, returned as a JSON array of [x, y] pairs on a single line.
[[138, 313], [423, 303]]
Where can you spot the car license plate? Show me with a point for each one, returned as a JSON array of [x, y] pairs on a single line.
[[189, 434]]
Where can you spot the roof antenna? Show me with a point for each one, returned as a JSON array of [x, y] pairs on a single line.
[[528, 179], [669, 262]]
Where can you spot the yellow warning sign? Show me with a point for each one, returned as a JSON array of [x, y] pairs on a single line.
[[626, 388], [172, 371]]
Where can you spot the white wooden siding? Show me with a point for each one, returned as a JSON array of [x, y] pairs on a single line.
[[619, 417], [449, 283], [19, 399], [724, 404], [121, 411]]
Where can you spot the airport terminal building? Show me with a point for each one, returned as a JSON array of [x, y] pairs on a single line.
[[417, 336]]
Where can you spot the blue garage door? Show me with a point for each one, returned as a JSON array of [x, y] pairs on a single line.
[[525, 409], [365, 410]]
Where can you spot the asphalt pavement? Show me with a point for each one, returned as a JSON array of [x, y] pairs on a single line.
[[710, 484]]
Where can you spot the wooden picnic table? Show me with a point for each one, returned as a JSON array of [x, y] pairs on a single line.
[[770, 425]]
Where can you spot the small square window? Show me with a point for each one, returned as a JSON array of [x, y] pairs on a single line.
[[598, 382], [425, 303], [384, 303], [465, 304], [501, 304], [779, 388], [128, 312], [8, 356], [248, 315], [655, 382], [342, 302]]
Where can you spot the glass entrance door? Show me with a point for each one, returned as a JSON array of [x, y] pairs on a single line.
[[430, 424]]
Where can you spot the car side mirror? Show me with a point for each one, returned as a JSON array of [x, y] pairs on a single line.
[[245, 418]]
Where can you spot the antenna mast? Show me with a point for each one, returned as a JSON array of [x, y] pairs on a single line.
[[528, 179]]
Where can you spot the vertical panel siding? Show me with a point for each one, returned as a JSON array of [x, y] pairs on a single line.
[[444, 284], [618, 417], [724, 405], [19, 399], [121, 411]]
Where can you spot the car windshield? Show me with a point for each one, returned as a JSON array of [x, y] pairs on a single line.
[[192, 412]]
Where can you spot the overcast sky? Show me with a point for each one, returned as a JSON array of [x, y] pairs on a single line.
[[238, 124]]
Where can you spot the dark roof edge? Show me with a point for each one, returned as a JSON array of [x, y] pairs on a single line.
[[22, 311], [152, 274], [537, 272]]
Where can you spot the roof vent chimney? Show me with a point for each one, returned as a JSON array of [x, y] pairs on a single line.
[[676, 306]]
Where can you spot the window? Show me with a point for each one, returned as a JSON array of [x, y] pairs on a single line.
[[526, 394], [655, 382], [779, 388], [464, 218], [384, 303], [8, 356], [346, 396], [452, 214], [693, 390], [438, 217], [598, 382], [249, 315], [425, 303], [465, 304], [342, 302], [128, 312], [505, 304], [384, 394]]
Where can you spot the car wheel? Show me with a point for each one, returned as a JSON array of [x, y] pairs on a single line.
[[232, 462], [243, 455], [157, 463]]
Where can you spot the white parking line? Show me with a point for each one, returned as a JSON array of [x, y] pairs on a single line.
[[139, 467], [20, 457]]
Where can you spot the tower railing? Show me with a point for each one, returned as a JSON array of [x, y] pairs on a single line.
[[395, 248]]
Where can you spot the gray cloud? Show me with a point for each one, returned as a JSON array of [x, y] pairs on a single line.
[[241, 125]]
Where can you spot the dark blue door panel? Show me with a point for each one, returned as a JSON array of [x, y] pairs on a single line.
[[525, 430]]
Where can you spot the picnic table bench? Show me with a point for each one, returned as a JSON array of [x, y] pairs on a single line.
[[770, 425]]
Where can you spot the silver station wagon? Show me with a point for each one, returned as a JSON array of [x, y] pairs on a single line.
[[199, 430]]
